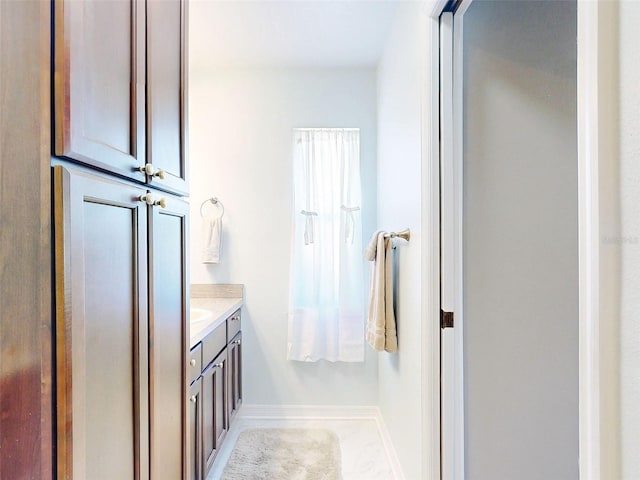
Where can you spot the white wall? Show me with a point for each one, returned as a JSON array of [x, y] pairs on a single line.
[[628, 241], [399, 206], [241, 125]]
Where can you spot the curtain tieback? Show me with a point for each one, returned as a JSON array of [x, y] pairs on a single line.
[[349, 222], [308, 226]]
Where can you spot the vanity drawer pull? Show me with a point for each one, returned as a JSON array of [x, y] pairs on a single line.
[[193, 399], [219, 365], [193, 362]]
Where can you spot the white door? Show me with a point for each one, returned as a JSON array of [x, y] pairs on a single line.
[[509, 207]]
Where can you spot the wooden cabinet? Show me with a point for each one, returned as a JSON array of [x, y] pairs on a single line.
[[167, 90], [168, 299], [221, 392], [215, 416], [101, 328], [235, 375], [121, 339], [194, 443], [99, 84], [120, 88]]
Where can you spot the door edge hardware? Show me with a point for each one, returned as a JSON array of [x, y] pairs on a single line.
[[446, 319]]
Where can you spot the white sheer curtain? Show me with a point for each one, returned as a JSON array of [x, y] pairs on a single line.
[[326, 308]]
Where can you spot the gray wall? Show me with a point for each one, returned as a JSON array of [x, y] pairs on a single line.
[[520, 241]]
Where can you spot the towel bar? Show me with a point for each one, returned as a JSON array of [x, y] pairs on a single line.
[[404, 234], [214, 201]]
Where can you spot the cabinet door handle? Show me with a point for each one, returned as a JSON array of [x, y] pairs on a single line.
[[219, 365], [193, 399], [233, 319], [147, 169], [147, 198], [237, 342], [193, 362]]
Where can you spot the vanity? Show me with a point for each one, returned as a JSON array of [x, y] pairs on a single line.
[[215, 371]]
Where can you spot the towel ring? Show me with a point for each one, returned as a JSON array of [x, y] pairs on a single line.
[[214, 201]]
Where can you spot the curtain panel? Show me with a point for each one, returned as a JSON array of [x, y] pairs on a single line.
[[326, 305]]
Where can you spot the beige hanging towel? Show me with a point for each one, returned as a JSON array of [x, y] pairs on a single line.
[[381, 321]]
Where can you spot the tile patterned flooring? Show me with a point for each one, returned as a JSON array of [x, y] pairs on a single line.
[[363, 453]]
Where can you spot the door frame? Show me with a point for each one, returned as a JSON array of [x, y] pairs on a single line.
[[592, 134]]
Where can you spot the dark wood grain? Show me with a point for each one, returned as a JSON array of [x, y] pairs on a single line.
[[169, 374], [25, 243], [235, 375], [213, 344], [167, 92], [99, 78], [101, 328], [214, 406], [194, 442]]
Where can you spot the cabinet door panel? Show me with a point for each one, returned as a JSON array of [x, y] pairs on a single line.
[[168, 302], [214, 396], [235, 375], [99, 84], [101, 328], [166, 90], [195, 431]]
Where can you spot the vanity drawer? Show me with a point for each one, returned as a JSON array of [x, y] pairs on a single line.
[[233, 325], [195, 363], [213, 344]]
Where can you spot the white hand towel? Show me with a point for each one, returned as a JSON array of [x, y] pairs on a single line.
[[381, 321], [211, 238]]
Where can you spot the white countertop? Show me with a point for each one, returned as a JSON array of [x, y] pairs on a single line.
[[220, 308]]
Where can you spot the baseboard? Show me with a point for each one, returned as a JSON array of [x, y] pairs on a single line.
[[336, 412], [396, 468]]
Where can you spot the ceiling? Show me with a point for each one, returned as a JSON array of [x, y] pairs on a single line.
[[289, 33]]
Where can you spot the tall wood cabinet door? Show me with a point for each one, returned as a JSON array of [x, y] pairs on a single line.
[[166, 93], [101, 328], [235, 375], [99, 84], [214, 404], [195, 431], [169, 348]]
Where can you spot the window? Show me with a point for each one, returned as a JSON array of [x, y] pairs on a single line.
[[326, 308]]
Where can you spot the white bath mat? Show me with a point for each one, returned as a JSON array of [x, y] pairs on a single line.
[[285, 454]]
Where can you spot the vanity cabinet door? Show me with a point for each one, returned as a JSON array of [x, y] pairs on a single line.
[[216, 418], [99, 84], [195, 431], [235, 375], [166, 90], [101, 337], [168, 299]]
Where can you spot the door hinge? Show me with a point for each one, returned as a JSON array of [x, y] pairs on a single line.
[[446, 319]]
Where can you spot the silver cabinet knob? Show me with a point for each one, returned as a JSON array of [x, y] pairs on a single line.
[[193, 362], [193, 399]]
